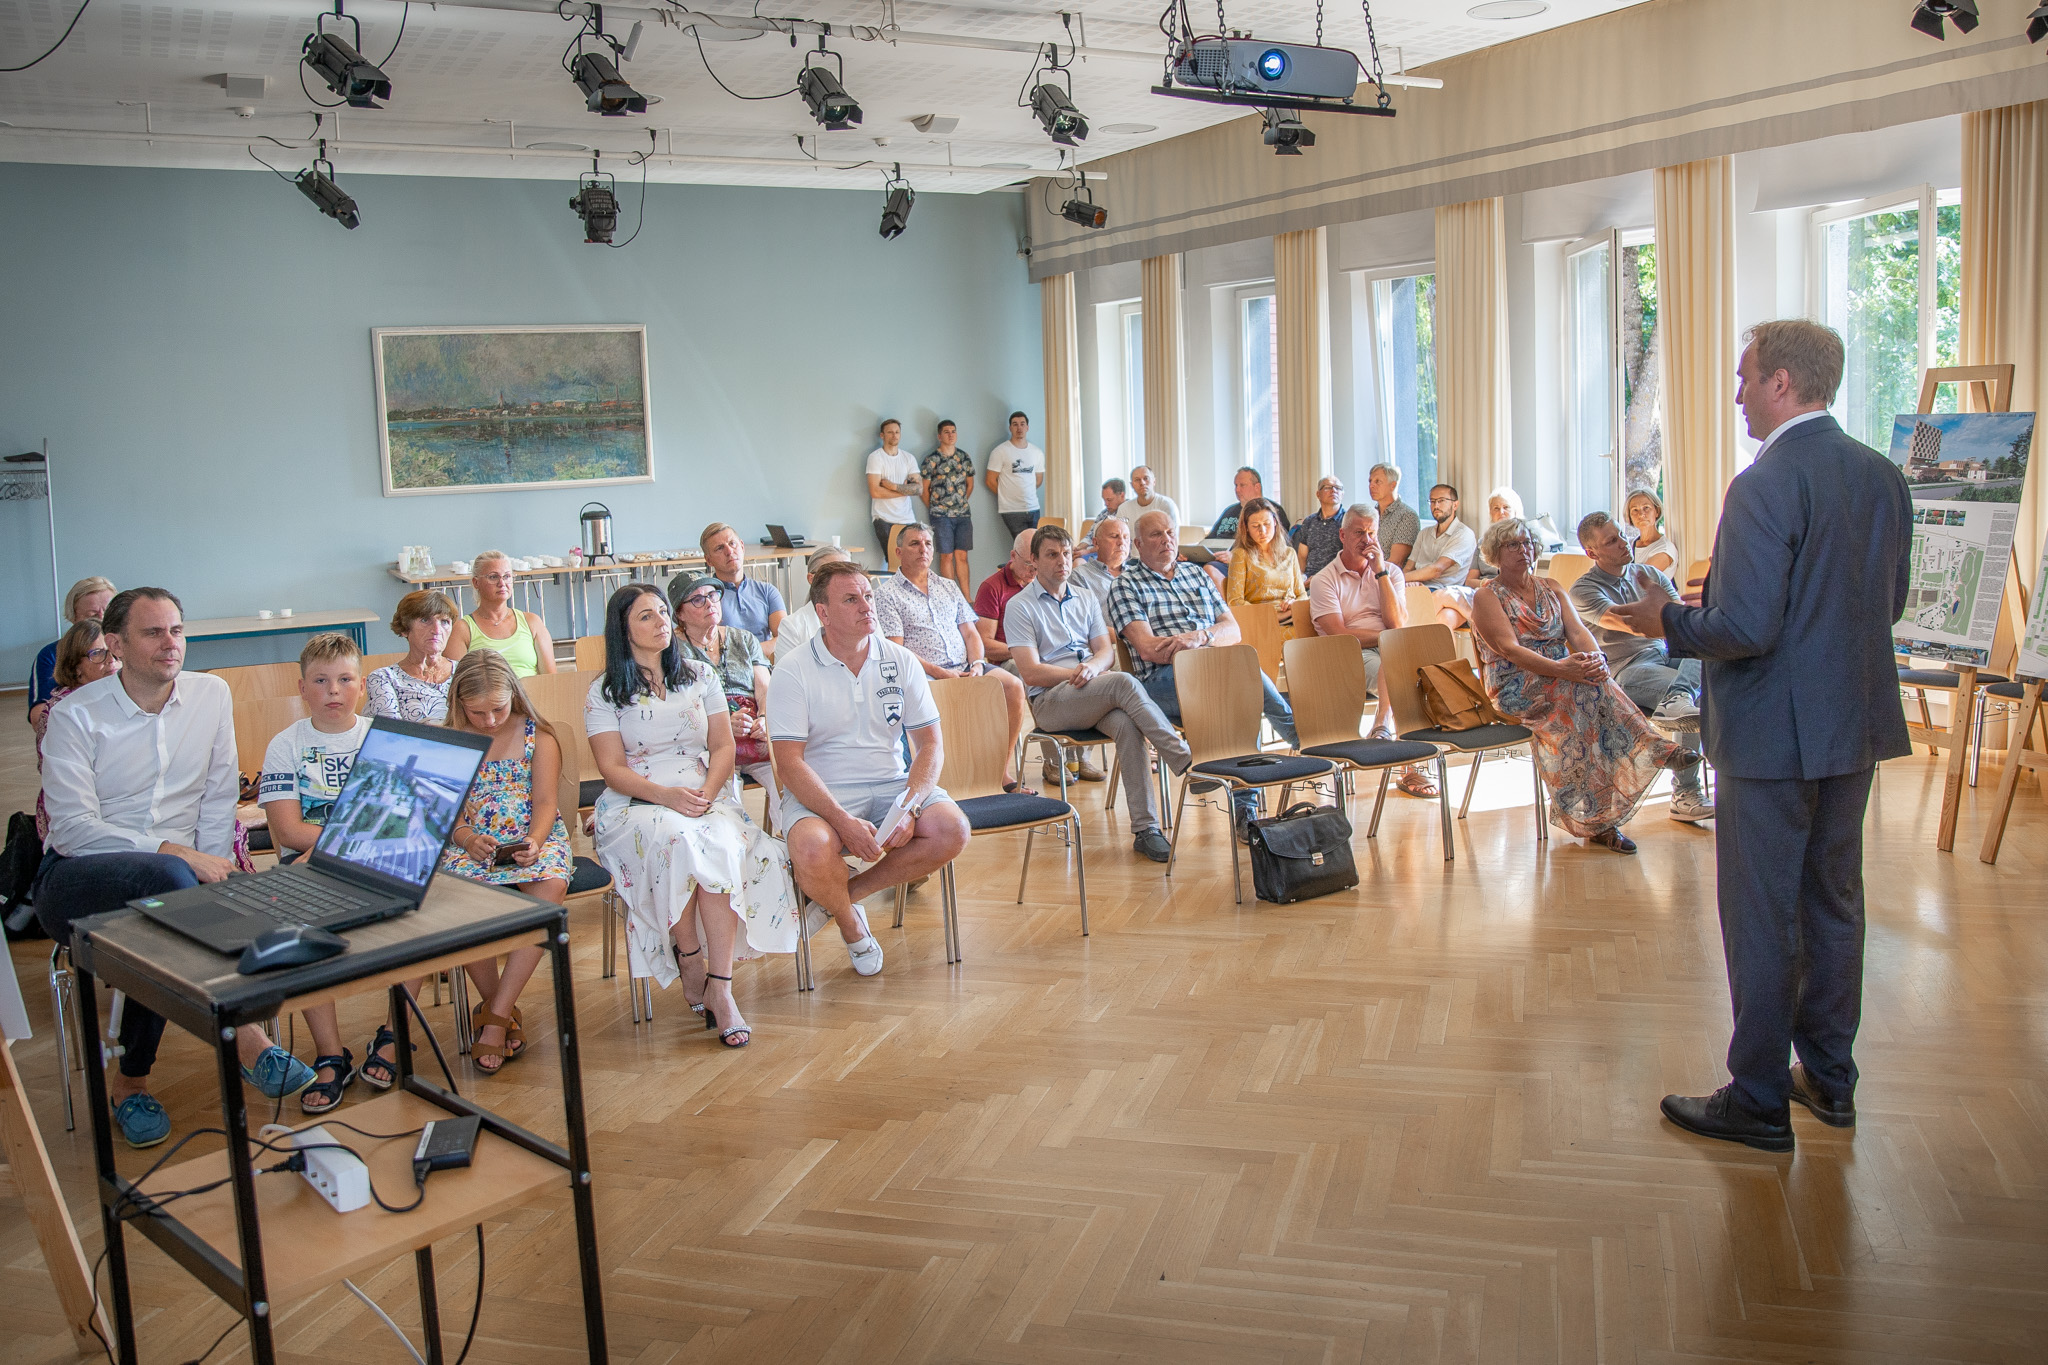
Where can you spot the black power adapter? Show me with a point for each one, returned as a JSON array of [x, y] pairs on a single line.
[[444, 1145]]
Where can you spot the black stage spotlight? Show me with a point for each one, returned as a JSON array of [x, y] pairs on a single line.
[[318, 186], [1083, 211], [597, 204], [604, 90], [343, 69], [1928, 14], [1286, 134], [1055, 109], [896, 208], [826, 94], [2037, 24]]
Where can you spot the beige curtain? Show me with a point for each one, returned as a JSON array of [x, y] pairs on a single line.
[[1062, 428], [2005, 278], [1472, 382], [1301, 283], [1696, 312], [1166, 415]]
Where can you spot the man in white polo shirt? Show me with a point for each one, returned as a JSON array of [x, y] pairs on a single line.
[[1067, 657], [839, 710]]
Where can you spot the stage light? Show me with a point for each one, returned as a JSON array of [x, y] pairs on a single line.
[[896, 208], [1928, 14], [826, 93], [319, 186], [344, 71], [597, 204], [604, 90], [2037, 24], [1083, 211], [1062, 121], [1286, 134]]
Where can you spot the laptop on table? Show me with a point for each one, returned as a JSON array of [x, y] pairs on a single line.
[[784, 540], [374, 858]]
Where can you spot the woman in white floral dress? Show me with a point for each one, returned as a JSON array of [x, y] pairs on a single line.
[[693, 869]]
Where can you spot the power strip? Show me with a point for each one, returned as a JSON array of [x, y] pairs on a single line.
[[341, 1177]]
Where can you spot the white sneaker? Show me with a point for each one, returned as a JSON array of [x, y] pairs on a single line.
[[865, 952], [1691, 808], [1675, 707]]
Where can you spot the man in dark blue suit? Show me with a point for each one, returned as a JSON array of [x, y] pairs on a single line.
[[1801, 701]]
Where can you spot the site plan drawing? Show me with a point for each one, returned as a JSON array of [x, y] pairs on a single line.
[[1961, 554], [2034, 646]]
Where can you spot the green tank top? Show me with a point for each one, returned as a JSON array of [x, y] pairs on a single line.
[[517, 648]]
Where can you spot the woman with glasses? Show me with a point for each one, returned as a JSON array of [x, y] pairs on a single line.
[[1315, 535], [521, 636], [1596, 753], [734, 657], [82, 656]]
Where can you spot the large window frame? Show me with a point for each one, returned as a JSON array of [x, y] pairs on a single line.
[[1595, 382], [1120, 372], [1255, 415], [1372, 338]]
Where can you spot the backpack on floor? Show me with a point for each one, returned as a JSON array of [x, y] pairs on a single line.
[[18, 863]]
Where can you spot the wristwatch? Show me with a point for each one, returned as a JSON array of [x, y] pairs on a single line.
[[1381, 574]]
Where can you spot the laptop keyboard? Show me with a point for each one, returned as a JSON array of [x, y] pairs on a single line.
[[290, 900]]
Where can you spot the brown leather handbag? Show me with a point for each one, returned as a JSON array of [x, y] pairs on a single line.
[[1453, 698]]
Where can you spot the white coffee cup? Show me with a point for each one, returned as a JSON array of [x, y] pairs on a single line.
[[284, 611], [835, 542], [265, 615]]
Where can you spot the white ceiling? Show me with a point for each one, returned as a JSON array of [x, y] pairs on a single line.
[[485, 78]]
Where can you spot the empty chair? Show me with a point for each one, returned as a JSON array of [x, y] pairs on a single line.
[[260, 682], [1566, 569], [1330, 705], [1259, 622]]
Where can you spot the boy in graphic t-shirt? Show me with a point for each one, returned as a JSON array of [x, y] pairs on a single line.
[[303, 772]]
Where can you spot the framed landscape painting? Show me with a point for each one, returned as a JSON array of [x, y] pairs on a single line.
[[483, 409]]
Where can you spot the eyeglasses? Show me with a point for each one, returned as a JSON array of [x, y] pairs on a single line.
[[97, 653], [702, 599], [494, 578]]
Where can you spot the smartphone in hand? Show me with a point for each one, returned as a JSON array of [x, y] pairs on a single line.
[[508, 852]]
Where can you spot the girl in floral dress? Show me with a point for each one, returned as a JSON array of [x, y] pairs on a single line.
[[514, 797], [694, 870]]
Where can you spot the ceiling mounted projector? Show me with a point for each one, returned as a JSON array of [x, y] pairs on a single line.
[[1248, 66]]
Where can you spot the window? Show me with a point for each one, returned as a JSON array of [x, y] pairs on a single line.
[[1259, 383], [1404, 352], [1888, 277], [1611, 376], [1120, 369], [1132, 320]]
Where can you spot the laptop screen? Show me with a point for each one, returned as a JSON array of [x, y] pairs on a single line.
[[401, 801]]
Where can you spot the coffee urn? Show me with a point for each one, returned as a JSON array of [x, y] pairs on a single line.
[[597, 533]]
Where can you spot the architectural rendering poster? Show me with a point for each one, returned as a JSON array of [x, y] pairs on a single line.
[[479, 409], [2034, 645], [1965, 456]]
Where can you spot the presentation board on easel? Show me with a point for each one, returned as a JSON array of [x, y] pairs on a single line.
[[1966, 470], [2033, 659]]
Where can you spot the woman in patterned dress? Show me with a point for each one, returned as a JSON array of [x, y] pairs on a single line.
[[416, 687], [694, 871], [498, 839], [1597, 754]]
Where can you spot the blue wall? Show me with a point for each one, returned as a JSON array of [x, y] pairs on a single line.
[[196, 347]]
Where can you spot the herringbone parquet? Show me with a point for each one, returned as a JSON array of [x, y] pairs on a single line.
[[1414, 1123]]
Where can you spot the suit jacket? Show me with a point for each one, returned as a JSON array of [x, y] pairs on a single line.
[[1795, 627]]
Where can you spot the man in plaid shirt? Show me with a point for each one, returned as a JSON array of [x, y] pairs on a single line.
[[1161, 607]]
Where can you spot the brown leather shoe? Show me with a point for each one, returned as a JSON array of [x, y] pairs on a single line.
[[1834, 1114], [1719, 1116]]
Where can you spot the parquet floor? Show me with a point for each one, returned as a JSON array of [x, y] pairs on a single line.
[[1414, 1123]]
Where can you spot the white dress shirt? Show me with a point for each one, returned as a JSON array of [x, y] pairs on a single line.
[[119, 780]]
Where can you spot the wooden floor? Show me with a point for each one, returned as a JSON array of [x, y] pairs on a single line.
[[1414, 1123]]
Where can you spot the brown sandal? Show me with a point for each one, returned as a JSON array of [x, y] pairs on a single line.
[[480, 1019], [1415, 784]]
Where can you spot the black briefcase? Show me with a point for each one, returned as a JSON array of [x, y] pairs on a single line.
[[1301, 853]]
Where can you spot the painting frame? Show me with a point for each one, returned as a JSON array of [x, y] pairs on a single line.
[[381, 385]]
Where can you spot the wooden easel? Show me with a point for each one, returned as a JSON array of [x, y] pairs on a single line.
[[2018, 757]]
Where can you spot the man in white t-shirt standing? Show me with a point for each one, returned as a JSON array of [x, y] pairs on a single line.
[[893, 484], [1143, 500], [1016, 471]]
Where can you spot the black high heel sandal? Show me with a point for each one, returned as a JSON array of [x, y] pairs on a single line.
[[697, 1005], [711, 1019]]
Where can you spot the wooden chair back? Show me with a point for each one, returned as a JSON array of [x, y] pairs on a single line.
[[1060, 522], [1402, 652], [258, 722], [1220, 700], [590, 654], [260, 682], [1990, 385], [974, 727], [1087, 530], [559, 697], [1329, 694], [1696, 570], [373, 662], [894, 555], [1304, 625], [1259, 622], [1124, 662], [1193, 535], [1566, 569], [1421, 603]]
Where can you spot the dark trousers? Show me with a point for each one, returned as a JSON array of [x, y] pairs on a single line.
[[70, 889], [1013, 522], [1790, 862]]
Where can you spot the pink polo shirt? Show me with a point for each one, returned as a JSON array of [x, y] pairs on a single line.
[[1353, 598]]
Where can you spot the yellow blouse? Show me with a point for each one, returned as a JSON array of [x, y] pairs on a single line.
[[1251, 581]]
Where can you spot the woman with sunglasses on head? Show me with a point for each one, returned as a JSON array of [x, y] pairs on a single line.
[[734, 657]]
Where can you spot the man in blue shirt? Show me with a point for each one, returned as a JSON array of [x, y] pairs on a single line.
[[755, 607]]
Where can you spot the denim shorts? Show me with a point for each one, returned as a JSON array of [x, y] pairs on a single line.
[[951, 533], [869, 801]]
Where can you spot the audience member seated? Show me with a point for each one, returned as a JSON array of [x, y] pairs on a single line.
[[1113, 495], [304, 769], [1315, 535], [736, 662], [1652, 545], [694, 871], [1361, 595], [521, 636], [500, 837], [948, 474], [1016, 471], [1100, 572], [892, 482], [1443, 557], [1064, 650], [750, 604], [416, 687], [925, 613], [839, 711], [1642, 668], [1249, 488], [86, 601], [1162, 607], [1399, 526], [991, 600], [1143, 500], [801, 625], [139, 780], [1596, 753], [1501, 504], [84, 656], [1263, 568]]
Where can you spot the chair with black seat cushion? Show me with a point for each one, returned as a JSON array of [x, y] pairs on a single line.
[[1330, 701], [1402, 654], [974, 728], [1077, 742], [1221, 706]]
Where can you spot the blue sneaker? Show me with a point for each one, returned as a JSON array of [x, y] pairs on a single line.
[[142, 1121], [277, 1073]]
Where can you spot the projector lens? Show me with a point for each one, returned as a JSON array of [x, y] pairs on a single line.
[[1273, 64]]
